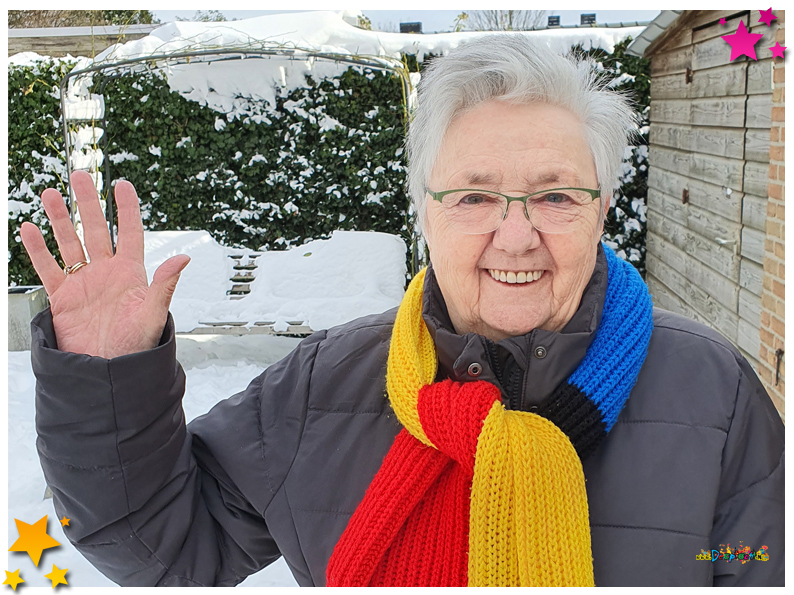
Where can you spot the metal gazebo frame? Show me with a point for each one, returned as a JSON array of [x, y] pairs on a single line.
[[112, 70]]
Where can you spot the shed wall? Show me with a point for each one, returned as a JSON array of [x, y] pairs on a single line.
[[709, 164]]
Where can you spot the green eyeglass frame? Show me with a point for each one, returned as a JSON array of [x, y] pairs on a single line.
[[439, 196]]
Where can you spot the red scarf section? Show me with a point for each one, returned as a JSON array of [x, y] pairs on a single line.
[[412, 527]]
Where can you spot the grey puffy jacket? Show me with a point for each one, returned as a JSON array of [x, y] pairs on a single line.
[[695, 461]]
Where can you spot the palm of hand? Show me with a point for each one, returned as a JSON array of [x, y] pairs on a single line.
[[105, 308]]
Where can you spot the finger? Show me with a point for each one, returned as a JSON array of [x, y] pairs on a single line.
[[164, 282], [130, 241], [95, 226], [46, 266], [68, 243]]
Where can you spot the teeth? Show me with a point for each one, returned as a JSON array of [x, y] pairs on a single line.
[[513, 277]]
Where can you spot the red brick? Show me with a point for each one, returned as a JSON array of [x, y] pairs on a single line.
[[765, 318], [778, 114], [780, 75], [780, 252], [775, 191], [779, 289], [772, 228], [778, 326], [774, 134], [783, 134], [781, 171], [781, 271], [777, 153], [781, 212], [766, 374]]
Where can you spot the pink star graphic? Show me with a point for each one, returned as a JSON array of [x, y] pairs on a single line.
[[722, 21], [767, 17], [777, 50], [742, 42]]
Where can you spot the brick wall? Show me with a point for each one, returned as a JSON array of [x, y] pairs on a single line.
[[772, 368]]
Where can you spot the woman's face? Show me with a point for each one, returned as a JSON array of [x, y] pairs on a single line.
[[515, 150]]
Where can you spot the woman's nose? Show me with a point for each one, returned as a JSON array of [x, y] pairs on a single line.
[[516, 234]]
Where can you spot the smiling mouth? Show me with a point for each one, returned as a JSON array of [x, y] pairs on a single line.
[[515, 278]]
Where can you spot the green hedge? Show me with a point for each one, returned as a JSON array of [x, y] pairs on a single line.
[[329, 156]]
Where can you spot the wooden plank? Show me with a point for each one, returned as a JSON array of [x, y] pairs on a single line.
[[721, 258], [693, 301], [674, 136], [759, 111], [750, 307], [768, 39], [714, 29], [705, 18], [710, 53], [748, 337], [751, 276], [671, 62], [759, 75], [756, 178], [720, 81], [677, 35], [754, 212], [669, 87], [719, 112], [756, 145], [753, 244], [723, 290], [705, 223], [711, 197], [669, 159], [717, 170], [725, 142], [671, 111]]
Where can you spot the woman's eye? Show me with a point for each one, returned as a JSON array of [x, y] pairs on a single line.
[[555, 198], [473, 199]]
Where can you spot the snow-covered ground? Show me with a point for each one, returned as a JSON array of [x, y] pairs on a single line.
[[324, 283], [207, 383]]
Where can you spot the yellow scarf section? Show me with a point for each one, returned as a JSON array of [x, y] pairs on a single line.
[[528, 521]]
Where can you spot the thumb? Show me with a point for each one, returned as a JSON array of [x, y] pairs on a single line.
[[164, 282]]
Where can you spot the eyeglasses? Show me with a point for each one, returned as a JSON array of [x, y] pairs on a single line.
[[557, 210]]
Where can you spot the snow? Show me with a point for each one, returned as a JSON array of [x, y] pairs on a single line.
[[207, 383], [257, 78], [322, 283]]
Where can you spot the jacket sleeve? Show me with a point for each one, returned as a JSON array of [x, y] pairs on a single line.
[[151, 501], [750, 506]]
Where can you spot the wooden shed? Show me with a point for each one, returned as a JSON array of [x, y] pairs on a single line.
[[715, 242]]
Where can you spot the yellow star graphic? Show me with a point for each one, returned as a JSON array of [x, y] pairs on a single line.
[[33, 539], [57, 576], [13, 579], [65, 522]]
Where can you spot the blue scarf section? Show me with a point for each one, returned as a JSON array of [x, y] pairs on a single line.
[[587, 405]]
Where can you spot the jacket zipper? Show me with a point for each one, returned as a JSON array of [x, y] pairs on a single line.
[[510, 385]]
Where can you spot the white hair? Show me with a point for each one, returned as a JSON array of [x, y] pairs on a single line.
[[513, 68]]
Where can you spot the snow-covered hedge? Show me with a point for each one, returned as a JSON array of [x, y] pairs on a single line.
[[327, 156]]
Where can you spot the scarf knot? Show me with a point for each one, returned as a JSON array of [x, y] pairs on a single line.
[[452, 416]]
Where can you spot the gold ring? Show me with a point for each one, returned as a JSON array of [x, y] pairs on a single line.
[[71, 269]]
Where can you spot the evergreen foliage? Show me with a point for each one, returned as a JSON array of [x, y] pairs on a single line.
[[328, 156]]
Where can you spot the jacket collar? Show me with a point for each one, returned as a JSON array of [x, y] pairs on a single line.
[[564, 350]]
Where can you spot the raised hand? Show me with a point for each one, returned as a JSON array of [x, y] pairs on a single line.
[[105, 308]]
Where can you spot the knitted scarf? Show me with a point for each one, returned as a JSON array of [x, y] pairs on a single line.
[[473, 494]]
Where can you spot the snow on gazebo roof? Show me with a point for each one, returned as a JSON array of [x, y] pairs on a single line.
[[300, 38]]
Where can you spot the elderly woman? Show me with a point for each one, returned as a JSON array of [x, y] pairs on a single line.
[[526, 417]]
